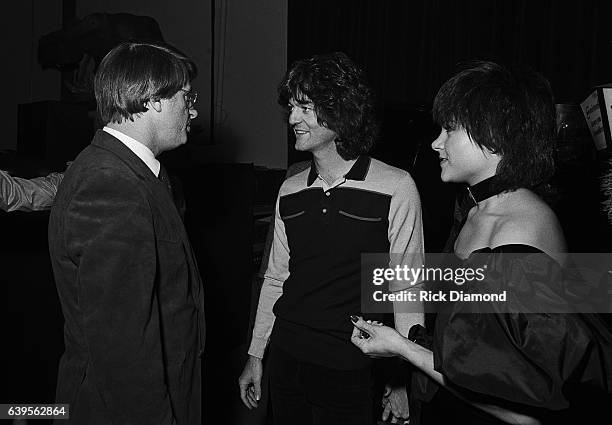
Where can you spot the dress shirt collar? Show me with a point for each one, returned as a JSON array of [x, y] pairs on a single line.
[[140, 150]]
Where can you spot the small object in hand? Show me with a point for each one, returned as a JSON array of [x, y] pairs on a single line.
[[362, 334]]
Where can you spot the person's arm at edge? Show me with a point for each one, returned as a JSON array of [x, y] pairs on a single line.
[[37, 194]]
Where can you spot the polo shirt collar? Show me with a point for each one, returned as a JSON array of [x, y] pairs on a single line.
[[358, 171]]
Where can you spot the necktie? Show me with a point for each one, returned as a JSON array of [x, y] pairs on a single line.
[[163, 176]]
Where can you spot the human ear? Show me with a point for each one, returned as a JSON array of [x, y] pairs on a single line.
[[155, 104]]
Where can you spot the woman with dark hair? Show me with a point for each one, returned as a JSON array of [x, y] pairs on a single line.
[[516, 363]]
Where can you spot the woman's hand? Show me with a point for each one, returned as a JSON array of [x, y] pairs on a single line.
[[376, 339]]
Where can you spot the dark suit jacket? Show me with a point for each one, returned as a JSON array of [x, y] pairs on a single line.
[[130, 293]]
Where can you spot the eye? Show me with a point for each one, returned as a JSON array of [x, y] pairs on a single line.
[[307, 109], [450, 127]]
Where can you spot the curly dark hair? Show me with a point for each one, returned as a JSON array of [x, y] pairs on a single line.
[[132, 74], [343, 101], [510, 112]]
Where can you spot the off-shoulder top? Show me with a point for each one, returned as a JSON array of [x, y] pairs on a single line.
[[556, 367]]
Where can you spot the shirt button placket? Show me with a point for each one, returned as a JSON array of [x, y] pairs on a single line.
[[325, 208]]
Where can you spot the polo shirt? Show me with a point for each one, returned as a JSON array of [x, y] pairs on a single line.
[[312, 283]]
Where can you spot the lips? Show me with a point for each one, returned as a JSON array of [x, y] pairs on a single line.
[[299, 132]]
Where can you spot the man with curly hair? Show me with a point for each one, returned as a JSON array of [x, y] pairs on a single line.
[[344, 204]]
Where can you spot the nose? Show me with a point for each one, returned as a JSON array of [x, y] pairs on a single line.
[[294, 116], [438, 143]]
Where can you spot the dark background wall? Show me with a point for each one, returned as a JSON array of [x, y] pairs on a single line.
[[409, 48], [249, 54]]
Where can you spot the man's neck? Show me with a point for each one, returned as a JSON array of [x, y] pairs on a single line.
[[331, 166], [137, 131]]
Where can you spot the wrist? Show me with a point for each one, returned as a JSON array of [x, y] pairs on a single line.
[[407, 351], [254, 359]]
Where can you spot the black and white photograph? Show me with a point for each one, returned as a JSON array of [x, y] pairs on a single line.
[[283, 212]]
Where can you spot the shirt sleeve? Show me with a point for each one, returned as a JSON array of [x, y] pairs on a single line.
[[272, 287], [406, 248], [28, 194], [405, 229]]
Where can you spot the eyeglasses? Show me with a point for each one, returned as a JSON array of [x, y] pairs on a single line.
[[191, 97]]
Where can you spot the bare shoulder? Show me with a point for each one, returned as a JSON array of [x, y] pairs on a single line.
[[528, 220]]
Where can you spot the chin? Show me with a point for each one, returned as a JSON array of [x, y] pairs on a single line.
[[450, 179], [300, 147]]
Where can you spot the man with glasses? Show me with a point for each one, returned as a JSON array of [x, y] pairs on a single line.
[[125, 273], [191, 97], [38, 193]]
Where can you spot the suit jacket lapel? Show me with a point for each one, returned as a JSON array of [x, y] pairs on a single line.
[[106, 141], [160, 192]]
